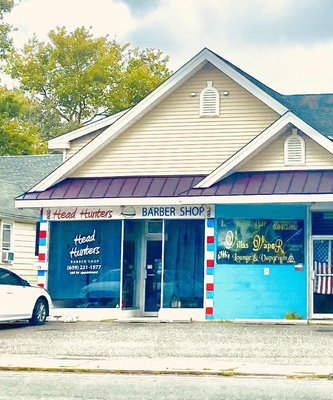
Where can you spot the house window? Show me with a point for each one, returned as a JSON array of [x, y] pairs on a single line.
[[6, 236], [6, 244], [294, 149], [209, 101]]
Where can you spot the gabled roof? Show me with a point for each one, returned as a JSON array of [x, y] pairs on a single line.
[[18, 174], [315, 109], [261, 141], [312, 112], [149, 102]]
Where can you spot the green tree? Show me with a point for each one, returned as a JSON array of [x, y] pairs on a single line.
[[18, 134], [76, 77], [5, 43]]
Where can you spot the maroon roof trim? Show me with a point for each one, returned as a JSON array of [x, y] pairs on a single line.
[[237, 184]]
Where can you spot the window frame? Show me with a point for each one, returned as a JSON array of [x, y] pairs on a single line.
[[10, 246]]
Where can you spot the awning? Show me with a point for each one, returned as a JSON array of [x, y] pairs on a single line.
[[245, 185]]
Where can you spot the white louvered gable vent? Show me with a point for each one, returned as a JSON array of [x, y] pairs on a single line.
[[209, 101], [294, 149]]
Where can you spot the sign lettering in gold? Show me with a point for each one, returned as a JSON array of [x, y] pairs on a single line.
[[260, 241]]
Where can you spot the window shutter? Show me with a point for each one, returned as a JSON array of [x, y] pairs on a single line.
[[294, 149], [209, 101]]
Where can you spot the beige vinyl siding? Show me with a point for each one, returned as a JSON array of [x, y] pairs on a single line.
[[173, 139], [77, 144], [23, 242], [272, 157]]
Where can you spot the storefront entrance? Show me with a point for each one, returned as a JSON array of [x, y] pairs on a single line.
[[163, 265], [153, 276], [322, 264], [322, 278], [142, 266]]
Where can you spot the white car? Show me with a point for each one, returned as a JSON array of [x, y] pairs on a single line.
[[21, 301]]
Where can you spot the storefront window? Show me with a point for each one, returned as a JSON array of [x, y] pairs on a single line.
[[84, 263], [183, 280], [322, 223]]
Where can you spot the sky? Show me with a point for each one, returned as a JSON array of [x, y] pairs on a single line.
[[286, 44]]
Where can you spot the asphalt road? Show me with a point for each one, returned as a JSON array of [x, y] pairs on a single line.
[[269, 344], [33, 386]]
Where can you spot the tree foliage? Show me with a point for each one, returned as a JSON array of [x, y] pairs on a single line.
[[5, 43], [75, 77], [18, 134]]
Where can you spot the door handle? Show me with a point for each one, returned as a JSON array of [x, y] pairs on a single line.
[[10, 292]]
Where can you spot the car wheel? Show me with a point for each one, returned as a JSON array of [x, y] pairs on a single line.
[[40, 312]]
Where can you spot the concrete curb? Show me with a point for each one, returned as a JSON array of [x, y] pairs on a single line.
[[162, 367], [221, 373]]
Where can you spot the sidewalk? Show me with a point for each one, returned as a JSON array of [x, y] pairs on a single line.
[[194, 348]]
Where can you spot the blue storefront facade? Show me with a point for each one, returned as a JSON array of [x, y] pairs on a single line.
[[270, 288]]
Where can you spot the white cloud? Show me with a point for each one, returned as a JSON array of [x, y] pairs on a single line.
[[291, 70], [287, 44], [40, 16]]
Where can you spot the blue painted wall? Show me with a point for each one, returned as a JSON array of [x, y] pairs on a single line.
[[243, 291]]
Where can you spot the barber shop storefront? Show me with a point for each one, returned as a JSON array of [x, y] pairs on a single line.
[[203, 262], [184, 259], [178, 262], [210, 199], [130, 261]]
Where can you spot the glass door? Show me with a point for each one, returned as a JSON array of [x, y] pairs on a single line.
[[322, 264], [131, 271], [153, 274], [129, 275]]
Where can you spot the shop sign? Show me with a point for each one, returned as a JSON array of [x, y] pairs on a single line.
[[260, 241], [128, 212]]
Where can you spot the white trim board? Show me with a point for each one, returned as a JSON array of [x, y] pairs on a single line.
[[260, 142], [149, 102], [153, 201], [63, 142]]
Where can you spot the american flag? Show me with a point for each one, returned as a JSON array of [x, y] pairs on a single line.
[[322, 260]]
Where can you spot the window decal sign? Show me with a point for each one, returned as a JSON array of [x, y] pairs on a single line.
[[260, 241], [84, 262], [84, 253]]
